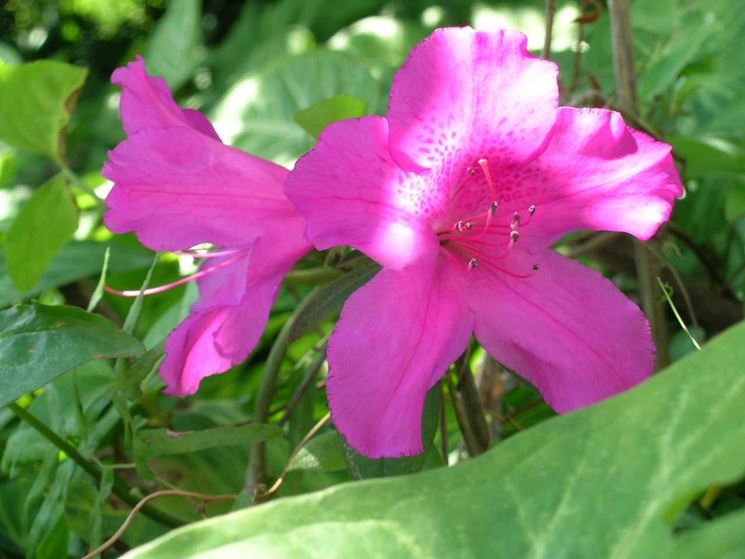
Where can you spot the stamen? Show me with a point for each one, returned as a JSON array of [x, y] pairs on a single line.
[[514, 236], [473, 263], [177, 283], [484, 164], [531, 210], [536, 267], [212, 254], [515, 221], [489, 215]]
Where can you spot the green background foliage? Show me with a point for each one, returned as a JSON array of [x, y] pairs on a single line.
[[654, 472]]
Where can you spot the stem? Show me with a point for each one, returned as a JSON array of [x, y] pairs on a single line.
[[647, 268], [120, 488], [550, 11], [443, 426], [472, 403], [313, 275], [310, 375], [256, 473], [472, 445]]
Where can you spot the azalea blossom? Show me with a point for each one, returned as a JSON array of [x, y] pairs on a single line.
[[459, 193], [177, 186]]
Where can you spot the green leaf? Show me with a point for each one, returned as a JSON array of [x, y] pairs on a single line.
[[255, 115], [43, 226], [331, 297], [684, 46], [76, 260], [607, 481], [173, 49], [723, 538], [319, 115], [324, 453], [734, 205], [39, 343], [709, 156], [36, 100], [160, 442]]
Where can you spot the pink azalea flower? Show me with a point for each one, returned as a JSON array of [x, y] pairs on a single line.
[[459, 194], [176, 185]]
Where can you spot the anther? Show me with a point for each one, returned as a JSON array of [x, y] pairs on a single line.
[[531, 210], [536, 267], [514, 236], [473, 263], [468, 225], [515, 221], [493, 207], [470, 171]]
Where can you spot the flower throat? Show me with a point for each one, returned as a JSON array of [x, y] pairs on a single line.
[[482, 238]]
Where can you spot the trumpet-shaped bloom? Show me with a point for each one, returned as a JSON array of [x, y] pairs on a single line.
[[459, 194], [176, 185]]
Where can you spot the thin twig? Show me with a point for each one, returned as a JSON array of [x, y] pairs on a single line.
[[596, 241], [702, 255], [550, 11], [308, 436], [142, 503]]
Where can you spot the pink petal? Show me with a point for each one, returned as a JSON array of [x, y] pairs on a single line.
[[396, 337], [176, 188], [596, 174], [146, 102], [567, 329], [471, 92], [352, 193], [225, 324]]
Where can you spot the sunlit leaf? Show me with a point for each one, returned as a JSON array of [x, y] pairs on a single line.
[[607, 481], [315, 118], [44, 225], [36, 100]]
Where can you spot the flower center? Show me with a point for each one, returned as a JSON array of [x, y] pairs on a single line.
[[486, 237]]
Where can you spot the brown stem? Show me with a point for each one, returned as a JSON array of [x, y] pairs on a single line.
[[472, 445], [647, 267], [550, 11], [130, 517], [472, 403], [308, 436]]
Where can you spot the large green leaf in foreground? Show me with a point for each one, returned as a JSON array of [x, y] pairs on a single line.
[[608, 481], [39, 343]]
